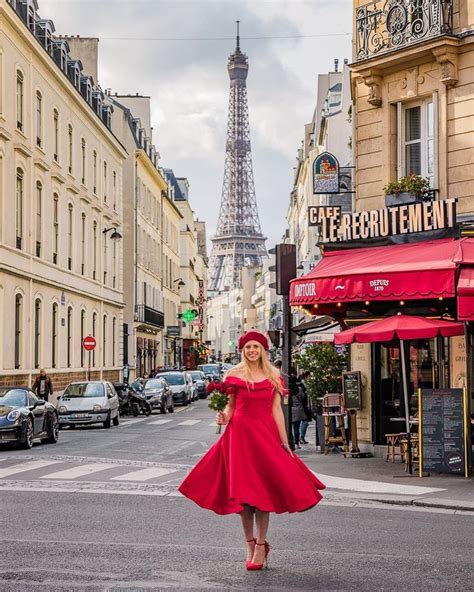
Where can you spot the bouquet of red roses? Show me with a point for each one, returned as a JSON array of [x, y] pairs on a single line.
[[220, 392]]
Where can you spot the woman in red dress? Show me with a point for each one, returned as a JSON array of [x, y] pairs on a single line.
[[251, 470]]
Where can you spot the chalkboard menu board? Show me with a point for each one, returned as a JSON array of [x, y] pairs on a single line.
[[442, 416], [351, 387]]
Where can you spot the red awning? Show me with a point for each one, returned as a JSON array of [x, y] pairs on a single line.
[[466, 294], [412, 271]]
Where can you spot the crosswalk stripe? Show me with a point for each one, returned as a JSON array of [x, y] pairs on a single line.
[[80, 471], [213, 424], [133, 421], [189, 422], [27, 466], [144, 474], [160, 421]]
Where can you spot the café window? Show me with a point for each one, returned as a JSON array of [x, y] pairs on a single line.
[[417, 139]]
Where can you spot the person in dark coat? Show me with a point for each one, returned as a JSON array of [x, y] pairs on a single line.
[[42, 386], [308, 409]]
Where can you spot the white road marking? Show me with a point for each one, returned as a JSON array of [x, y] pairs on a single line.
[[189, 422], [373, 486], [144, 474], [79, 471], [134, 421], [27, 466], [213, 425], [160, 421]]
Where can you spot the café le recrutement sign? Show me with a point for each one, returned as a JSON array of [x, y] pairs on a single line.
[[334, 226]]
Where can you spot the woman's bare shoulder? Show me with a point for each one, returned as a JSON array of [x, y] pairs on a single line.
[[236, 372]]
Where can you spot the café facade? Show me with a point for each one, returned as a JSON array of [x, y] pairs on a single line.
[[413, 259]]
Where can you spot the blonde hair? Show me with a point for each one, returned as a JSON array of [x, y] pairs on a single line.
[[265, 366]]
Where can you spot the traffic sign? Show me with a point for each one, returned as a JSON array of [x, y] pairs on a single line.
[[89, 343]]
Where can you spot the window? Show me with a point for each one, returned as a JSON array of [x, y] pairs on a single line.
[[69, 236], [104, 341], [417, 145], [114, 181], [94, 158], [83, 328], [19, 100], [94, 333], [105, 181], [56, 135], [39, 223], [69, 337], [19, 208], [18, 329], [83, 243], [114, 339], [54, 335], [70, 146], [55, 228], [39, 119], [37, 332], [94, 250], [83, 161]]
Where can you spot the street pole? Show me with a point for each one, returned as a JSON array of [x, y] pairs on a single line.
[[89, 367], [286, 363]]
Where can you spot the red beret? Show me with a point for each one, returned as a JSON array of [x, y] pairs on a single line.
[[253, 336]]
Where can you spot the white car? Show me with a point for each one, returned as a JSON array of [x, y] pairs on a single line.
[[88, 403]]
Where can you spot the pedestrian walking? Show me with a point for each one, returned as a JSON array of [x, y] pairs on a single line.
[[298, 413], [251, 470], [308, 410], [42, 386]]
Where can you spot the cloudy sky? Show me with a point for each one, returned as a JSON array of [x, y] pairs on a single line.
[[185, 74]]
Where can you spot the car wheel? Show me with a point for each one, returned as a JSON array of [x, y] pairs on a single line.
[[116, 420], [27, 441], [107, 422], [53, 431], [163, 408]]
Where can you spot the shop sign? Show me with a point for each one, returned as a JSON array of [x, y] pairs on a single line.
[[173, 331], [403, 219], [325, 174], [305, 290]]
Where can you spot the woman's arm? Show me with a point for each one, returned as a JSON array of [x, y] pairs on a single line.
[[279, 418], [223, 417]]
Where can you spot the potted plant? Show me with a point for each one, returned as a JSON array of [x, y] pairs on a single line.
[[409, 189]]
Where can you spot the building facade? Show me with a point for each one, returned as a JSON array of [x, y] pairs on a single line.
[[60, 208]]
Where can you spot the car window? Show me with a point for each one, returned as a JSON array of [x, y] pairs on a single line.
[[13, 397], [110, 390], [32, 398], [208, 369], [174, 379], [84, 389], [153, 383]]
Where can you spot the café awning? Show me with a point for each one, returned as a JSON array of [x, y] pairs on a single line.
[[466, 294], [415, 271]]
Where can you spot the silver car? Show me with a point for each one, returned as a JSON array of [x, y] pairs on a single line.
[[87, 403], [179, 385]]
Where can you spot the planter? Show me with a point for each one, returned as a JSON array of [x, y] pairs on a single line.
[[399, 199]]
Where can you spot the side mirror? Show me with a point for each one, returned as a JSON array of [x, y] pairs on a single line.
[[110, 395], [39, 403]]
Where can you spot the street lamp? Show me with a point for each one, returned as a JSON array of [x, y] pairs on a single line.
[[180, 282], [115, 234]]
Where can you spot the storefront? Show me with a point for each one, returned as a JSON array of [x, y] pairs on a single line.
[[430, 278]]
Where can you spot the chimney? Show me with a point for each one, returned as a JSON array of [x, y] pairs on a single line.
[[346, 61], [336, 65]]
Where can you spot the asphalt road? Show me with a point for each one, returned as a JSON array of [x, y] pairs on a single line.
[[99, 511]]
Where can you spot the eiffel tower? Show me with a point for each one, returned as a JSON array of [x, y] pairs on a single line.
[[238, 241]]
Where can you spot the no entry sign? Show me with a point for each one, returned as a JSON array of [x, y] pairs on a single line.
[[89, 343]]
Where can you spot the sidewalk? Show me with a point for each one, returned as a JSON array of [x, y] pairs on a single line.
[[374, 479]]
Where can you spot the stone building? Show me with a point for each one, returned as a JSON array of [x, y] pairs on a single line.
[[60, 208]]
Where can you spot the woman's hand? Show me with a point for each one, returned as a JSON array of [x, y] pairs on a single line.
[[221, 418], [286, 447]]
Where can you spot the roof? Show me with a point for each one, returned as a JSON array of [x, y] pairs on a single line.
[[178, 195]]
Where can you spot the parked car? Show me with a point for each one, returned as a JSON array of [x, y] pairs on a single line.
[[157, 392], [211, 371], [24, 418], [179, 386], [200, 383], [191, 386], [87, 403]]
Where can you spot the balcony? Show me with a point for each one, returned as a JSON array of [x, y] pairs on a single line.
[[149, 316], [389, 25]]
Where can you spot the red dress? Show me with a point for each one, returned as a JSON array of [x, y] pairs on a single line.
[[248, 465]]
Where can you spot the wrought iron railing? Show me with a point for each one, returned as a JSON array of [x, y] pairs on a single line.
[[150, 316], [387, 25]]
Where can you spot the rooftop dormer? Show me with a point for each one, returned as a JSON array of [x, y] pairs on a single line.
[[61, 53], [97, 101], [74, 68], [28, 9], [45, 33]]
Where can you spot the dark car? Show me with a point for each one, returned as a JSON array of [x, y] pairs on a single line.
[[200, 382], [24, 417], [179, 387], [157, 392], [211, 371]]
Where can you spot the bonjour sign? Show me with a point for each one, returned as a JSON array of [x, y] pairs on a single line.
[[403, 219]]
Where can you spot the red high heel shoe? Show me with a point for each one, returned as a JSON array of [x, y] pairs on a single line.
[[258, 566], [247, 562]]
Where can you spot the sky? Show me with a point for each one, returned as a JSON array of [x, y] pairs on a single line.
[[176, 51]]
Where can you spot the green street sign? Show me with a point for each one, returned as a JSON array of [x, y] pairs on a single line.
[[189, 315], [230, 343]]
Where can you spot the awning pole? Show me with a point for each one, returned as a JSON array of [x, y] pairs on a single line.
[[407, 408]]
